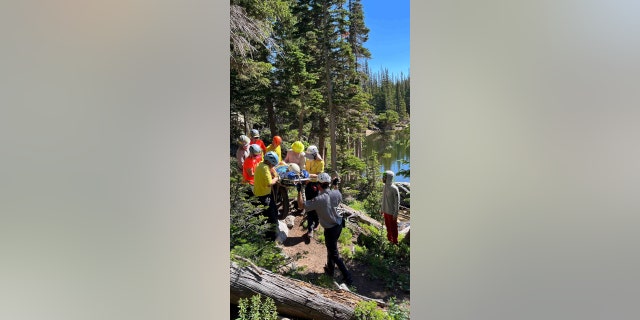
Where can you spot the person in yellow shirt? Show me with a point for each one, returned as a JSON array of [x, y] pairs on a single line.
[[275, 146], [315, 166], [264, 180]]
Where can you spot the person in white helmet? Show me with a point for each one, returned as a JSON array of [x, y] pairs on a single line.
[[326, 204], [255, 139], [314, 164], [390, 206], [250, 163], [243, 150]]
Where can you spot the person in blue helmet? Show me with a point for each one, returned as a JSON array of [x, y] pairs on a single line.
[[264, 180]]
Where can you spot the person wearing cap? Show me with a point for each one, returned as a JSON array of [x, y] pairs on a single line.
[[255, 139], [250, 163], [314, 165], [263, 184], [326, 204], [243, 150], [275, 146], [296, 154], [390, 206]]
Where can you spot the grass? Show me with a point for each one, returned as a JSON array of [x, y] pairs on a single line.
[[357, 205], [386, 261]]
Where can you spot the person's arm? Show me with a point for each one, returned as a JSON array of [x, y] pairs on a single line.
[[396, 201], [274, 178]]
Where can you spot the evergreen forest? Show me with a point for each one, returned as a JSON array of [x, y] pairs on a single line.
[[299, 70]]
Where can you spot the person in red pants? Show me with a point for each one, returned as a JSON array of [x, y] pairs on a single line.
[[390, 206]]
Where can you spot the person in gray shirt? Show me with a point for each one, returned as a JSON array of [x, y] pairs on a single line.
[[326, 204]]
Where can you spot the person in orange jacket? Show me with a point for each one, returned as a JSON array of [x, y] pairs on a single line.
[[275, 146], [255, 139]]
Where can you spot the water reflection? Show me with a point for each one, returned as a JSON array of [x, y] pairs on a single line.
[[392, 147]]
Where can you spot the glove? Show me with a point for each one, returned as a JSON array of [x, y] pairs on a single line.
[[335, 181], [299, 187]]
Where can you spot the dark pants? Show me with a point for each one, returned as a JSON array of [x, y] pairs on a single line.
[[271, 212], [331, 236], [310, 192]]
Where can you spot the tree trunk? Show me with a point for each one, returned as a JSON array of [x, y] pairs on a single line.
[[321, 128], [300, 123], [332, 116], [293, 297], [245, 117], [361, 217], [272, 117]]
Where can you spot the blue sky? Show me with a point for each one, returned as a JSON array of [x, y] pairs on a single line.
[[388, 23]]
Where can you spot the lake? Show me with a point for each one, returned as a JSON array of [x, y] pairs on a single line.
[[391, 148]]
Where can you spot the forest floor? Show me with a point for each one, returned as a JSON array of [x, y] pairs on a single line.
[[311, 256]]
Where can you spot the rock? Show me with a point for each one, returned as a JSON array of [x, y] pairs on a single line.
[[290, 220], [283, 232]]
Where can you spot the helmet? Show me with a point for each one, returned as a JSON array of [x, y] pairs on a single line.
[[244, 140], [277, 140], [312, 150], [324, 178], [293, 167], [281, 169], [255, 133], [304, 173], [291, 175], [297, 147], [255, 149], [271, 158]]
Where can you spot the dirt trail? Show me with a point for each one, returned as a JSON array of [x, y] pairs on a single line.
[[313, 257]]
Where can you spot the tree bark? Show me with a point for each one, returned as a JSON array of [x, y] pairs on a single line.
[[321, 128], [272, 116], [360, 216], [293, 297]]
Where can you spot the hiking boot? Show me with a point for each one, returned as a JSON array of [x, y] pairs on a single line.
[[347, 280], [326, 271], [306, 238]]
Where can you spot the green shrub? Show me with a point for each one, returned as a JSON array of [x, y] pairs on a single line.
[[325, 281], [386, 261], [357, 205], [248, 227], [397, 311], [264, 254], [345, 237], [368, 310], [345, 252], [359, 250], [256, 309]]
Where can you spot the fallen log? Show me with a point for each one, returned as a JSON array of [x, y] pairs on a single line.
[[293, 297], [354, 214], [407, 238]]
